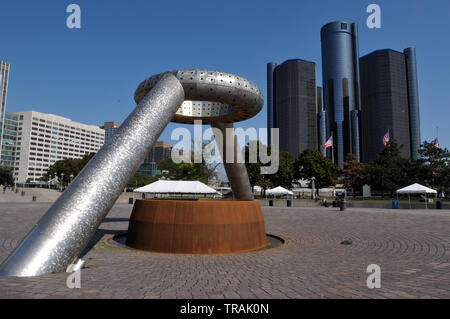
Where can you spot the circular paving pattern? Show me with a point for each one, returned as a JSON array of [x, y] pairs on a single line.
[[411, 247]]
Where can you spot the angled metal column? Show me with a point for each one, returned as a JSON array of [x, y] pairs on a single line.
[[236, 172], [63, 232]]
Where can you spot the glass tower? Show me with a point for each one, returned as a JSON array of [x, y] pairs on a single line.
[[4, 76], [292, 104], [413, 96], [341, 88], [389, 102], [270, 99]]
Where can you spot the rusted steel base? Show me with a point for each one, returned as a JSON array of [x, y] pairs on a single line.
[[196, 227]]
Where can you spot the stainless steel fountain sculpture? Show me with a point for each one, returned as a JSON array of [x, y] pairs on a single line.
[[180, 96]]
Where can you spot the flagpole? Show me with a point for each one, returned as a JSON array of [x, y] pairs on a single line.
[[332, 147]]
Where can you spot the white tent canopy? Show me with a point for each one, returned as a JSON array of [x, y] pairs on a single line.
[[176, 187], [279, 191], [416, 189]]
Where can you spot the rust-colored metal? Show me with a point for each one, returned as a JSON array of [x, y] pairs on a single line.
[[196, 227]]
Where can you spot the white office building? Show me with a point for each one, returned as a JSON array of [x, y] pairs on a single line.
[[43, 139]]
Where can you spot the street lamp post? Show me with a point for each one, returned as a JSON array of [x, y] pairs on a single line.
[[62, 181], [313, 186]]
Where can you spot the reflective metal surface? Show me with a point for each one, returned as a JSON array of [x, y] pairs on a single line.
[[66, 228], [211, 96], [235, 169], [62, 233]]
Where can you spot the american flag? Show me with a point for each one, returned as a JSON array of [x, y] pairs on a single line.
[[435, 142], [386, 138], [329, 143]]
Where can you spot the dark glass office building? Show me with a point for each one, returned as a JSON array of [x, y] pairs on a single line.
[[292, 104], [389, 102], [270, 99], [341, 96], [321, 122]]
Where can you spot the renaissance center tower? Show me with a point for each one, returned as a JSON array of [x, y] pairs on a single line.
[[341, 88]]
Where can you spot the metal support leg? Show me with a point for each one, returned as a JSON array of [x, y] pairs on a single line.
[[236, 172], [63, 232]]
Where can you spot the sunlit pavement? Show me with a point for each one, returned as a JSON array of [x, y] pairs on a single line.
[[412, 249]]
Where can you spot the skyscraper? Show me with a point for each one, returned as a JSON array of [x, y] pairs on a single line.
[[9, 140], [389, 102], [340, 74], [321, 122], [4, 77], [270, 99], [293, 97], [413, 97]]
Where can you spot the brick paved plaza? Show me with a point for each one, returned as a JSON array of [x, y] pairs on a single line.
[[411, 247]]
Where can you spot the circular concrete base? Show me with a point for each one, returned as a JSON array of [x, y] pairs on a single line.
[[196, 227]]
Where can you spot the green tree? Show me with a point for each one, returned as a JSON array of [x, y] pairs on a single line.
[[254, 169], [184, 171], [435, 164], [390, 171], [67, 167], [285, 175], [311, 163], [139, 180], [353, 173], [6, 177]]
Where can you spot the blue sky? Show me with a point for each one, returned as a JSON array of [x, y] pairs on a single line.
[[90, 75]]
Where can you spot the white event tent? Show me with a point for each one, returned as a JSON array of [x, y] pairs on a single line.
[[177, 187], [416, 189], [279, 191]]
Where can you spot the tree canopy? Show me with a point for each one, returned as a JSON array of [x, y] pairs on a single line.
[[6, 177], [184, 171], [435, 164], [353, 173], [67, 167], [311, 163], [283, 177]]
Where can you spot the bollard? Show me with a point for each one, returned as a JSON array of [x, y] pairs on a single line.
[[34, 198], [17, 191], [23, 193], [270, 202], [439, 204], [289, 203], [342, 205], [130, 200]]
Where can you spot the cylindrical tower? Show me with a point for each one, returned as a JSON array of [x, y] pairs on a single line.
[[322, 131], [270, 98], [413, 97], [340, 70]]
